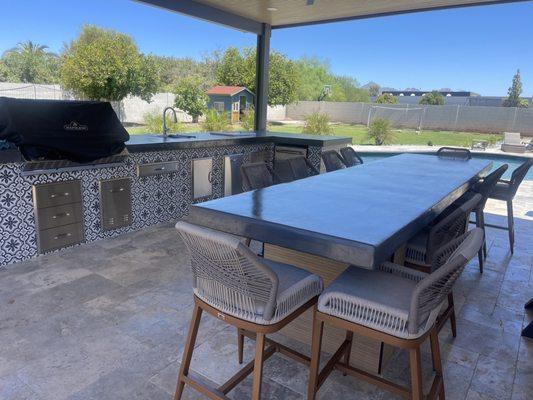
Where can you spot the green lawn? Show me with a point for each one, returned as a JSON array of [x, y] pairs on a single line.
[[358, 133]]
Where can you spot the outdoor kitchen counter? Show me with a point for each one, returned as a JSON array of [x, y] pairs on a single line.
[[155, 142]]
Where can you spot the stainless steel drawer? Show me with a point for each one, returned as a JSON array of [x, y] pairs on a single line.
[[56, 238], [157, 168], [52, 217], [56, 194], [115, 198]]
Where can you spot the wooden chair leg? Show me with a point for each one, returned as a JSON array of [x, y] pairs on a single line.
[[189, 348], [415, 364], [510, 224], [316, 348], [453, 320], [258, 366], [349, 338], [435, 357], [240, 345]]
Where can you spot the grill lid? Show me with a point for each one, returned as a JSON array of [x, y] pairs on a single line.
[[78, 131]]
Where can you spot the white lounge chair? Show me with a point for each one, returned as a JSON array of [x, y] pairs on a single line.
[[512, 143]]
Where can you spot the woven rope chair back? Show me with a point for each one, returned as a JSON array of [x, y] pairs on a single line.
[[431, 291], [518, 176], [351, 158], [301, 167], [227, 274], [257, 176], [485, 187], [454, 153], [451, 226], [332, 160]]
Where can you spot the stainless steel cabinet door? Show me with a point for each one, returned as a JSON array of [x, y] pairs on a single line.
[[202, 177]]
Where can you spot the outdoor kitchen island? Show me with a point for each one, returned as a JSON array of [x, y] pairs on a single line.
[[45, 208]]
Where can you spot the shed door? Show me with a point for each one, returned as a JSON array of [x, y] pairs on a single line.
[[235, 107]]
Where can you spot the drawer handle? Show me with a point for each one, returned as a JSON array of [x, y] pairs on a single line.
[[61, 215], [54, 195], [159, 169], [210, 177], [116, 190], [62, 235]]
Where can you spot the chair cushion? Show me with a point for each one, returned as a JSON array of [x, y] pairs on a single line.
[[296, 287], [373, 298]]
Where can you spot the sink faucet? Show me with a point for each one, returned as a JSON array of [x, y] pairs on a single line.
[[165, 129]]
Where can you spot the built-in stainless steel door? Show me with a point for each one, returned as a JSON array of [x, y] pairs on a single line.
[[232, 174], [202, 177]]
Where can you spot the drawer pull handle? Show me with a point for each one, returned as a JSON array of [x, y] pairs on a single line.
[[210, 176], [62, 235], [61, 215], [116, 190], [159, 169], [54, 195]]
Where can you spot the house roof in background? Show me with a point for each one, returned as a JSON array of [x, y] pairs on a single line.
[[227, 90], [250, 14]]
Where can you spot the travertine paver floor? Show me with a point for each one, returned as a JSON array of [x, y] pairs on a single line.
[[108, 320]]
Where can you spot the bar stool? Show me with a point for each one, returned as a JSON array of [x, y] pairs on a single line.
[[454, 153], [350, 157], [301, 167], [255, 295], [505, 191], [332, 160], [395, 305], [484, 187], [257, 176]]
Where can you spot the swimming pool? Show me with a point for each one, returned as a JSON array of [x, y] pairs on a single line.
[[496, 159]]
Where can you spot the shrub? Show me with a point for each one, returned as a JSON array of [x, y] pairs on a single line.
[[317, 124], [386, 98], [248, 119], [154, 123], [380, 131], [215, 122], [434, 98]]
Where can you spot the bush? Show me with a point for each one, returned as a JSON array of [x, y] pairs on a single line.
[[386, 98], [317, 124], [380, 131], [248, 119], [434, 98], [215, 122], [154, 123]]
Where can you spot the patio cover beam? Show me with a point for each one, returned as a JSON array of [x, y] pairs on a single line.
[[261, 78], [208, 13]]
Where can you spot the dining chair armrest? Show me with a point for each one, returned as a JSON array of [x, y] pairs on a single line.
[[400, 270]]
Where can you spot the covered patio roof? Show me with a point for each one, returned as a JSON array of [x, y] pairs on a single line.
[[261, 16]]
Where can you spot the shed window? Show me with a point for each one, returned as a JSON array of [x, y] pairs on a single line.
[[218, 106]]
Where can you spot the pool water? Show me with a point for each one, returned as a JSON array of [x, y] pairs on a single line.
[[497, 160]]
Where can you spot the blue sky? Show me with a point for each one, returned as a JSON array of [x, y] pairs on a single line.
[[476, 48]]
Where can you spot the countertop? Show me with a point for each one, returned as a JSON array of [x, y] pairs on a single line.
[[140, 143]]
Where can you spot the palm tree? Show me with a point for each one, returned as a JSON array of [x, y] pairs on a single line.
[[31, 60]]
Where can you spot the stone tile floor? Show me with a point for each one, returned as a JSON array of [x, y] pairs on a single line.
[[108, 320]]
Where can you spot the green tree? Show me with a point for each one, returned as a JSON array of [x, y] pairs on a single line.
[[374, 89], [104, 64], [380, 131], [237, 68], [191, 97], [30, 62], [386, 98], [433, 98], [514, 92]]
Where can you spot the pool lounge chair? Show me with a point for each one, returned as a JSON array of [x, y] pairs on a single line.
[[512, 143]]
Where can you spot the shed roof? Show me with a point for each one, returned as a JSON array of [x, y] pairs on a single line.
[[227, 90]]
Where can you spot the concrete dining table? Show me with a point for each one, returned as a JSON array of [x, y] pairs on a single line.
[[358, 216]]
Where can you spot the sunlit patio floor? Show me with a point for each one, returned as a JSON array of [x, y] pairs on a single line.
[[108, 320]]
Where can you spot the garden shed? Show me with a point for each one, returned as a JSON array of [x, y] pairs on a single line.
[[233, 100]]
